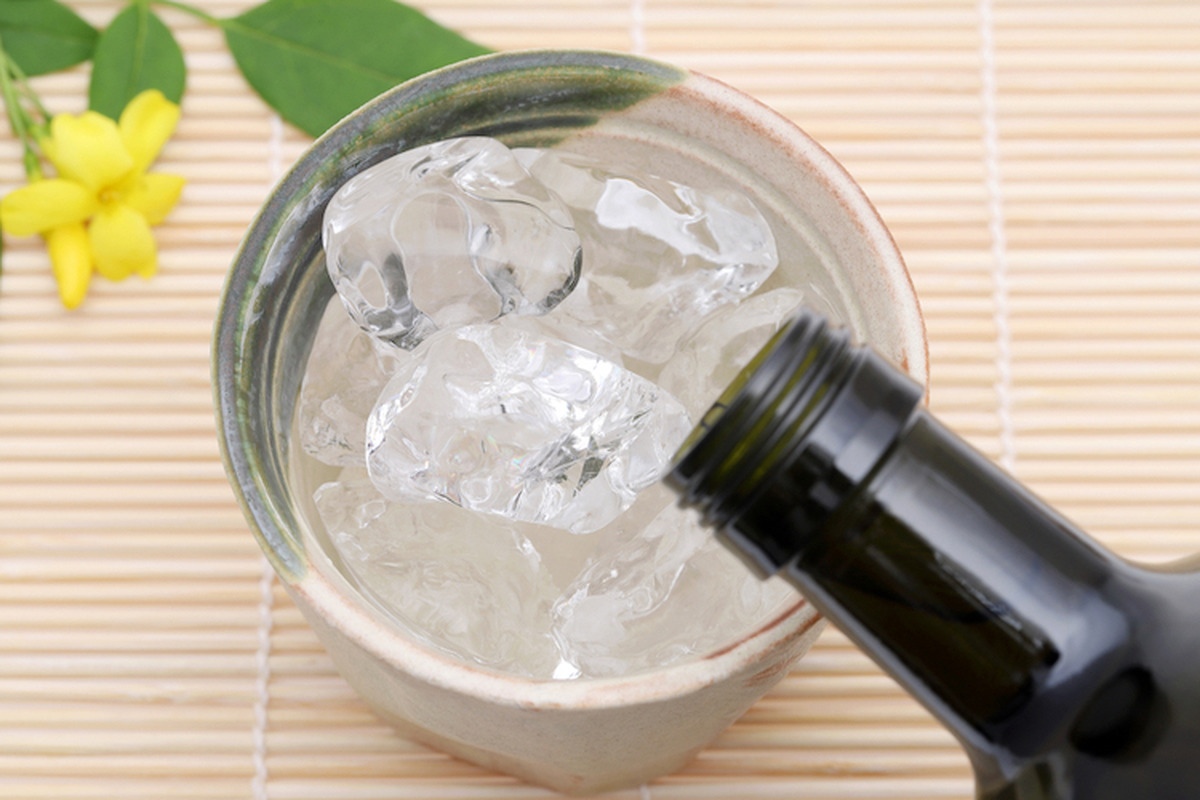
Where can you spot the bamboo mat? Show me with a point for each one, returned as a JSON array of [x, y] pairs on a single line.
[[1039, 164]]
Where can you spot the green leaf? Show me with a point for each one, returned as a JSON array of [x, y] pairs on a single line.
[[314, 61], [136, 52], [44, 35]]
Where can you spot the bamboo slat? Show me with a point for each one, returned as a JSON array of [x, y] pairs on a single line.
[[144, 653]]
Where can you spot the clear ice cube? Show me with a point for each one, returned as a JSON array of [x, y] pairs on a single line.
[[451, 233], [710, 358], [654, 595], [346, 371], [499, 420], [658, 256], [469, 585], [492, 406]]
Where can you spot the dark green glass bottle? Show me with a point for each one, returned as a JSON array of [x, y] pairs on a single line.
[[1066, 672]]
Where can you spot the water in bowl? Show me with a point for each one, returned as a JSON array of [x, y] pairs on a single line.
[[520, 340]]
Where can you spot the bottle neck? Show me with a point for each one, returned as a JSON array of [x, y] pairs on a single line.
[[820, 462], [799, 429]]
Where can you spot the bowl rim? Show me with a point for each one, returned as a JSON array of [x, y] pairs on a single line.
[[365, 626]]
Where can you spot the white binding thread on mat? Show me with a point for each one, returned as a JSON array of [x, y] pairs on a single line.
[[262, 682], [637, 26], [266, 597], [996, 223]]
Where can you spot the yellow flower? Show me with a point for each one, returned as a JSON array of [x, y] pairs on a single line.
[[97, 213]]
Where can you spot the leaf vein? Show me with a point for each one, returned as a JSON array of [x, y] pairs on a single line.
[[307, 50], [49, 33], [139, 50]]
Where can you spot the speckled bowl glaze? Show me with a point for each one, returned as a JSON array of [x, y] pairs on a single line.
[[580, 736]]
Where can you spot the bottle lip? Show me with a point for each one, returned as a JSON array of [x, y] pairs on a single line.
[[793, 439], [783, 389]]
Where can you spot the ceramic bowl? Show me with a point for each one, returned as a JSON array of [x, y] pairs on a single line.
[[581, 736]]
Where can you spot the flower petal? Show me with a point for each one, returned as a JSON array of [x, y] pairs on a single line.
[[153, 195], [71, 257], [122, 243], [146, 124], [88, 149], [45, 204]]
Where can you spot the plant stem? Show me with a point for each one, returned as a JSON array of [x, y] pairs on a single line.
[[18, 117], [189, 9], [22, 82], [12, 104]]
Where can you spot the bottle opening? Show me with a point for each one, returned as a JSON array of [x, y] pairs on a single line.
[[755, 420], [798, 429]]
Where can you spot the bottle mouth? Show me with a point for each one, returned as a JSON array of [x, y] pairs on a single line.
[[762, 414], [792, 440]]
